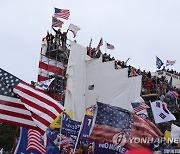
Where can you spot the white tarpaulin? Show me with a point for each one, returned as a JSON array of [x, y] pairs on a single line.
[[91, 80], [111, 86], [76, 81]]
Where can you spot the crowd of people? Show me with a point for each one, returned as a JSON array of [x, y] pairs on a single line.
[[54, 41], [150, 84], [171, 71]]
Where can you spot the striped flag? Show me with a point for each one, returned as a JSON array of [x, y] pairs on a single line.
[[67, 142], [170, 62], [100, 44], [35, 141], [22, 105], [30, 142], [48, 67], [56, 22], [43, 108], [110, 46], [142, 128], [12, 110], [61, 13], [44, 85], [110, 120], [139, 106]]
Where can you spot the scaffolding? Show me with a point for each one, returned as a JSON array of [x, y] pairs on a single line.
[[55, 60]]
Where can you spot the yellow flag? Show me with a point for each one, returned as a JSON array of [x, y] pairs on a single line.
[[56, 123], [69, 113], [167, 135]]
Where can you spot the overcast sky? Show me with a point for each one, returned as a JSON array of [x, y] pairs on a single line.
[[139, 29]]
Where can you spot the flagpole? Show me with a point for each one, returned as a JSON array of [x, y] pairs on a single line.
[[78, 135], [156, 80], [60, 130]]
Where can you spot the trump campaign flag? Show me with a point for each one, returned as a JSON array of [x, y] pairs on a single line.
[[69, 132], [86, 126], [69, 126], [161, 112]]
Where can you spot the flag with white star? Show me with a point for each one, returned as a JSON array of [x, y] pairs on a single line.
[[12, 110], [109, 121], [22, 105]]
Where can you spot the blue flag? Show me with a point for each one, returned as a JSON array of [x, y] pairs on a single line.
[[159, 62], [23, 142], [87, 123], [53, 140], [69, 132], [69, 126]]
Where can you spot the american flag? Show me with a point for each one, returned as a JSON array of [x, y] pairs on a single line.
[[100, 44], [34, 109], [48, 67], [61, 13], [56, 22], [12, 110], [67, 142], [43, 108], [170, 62], [109, 121], [139, 106], [110, 46], [142, 128], [35, 141]]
